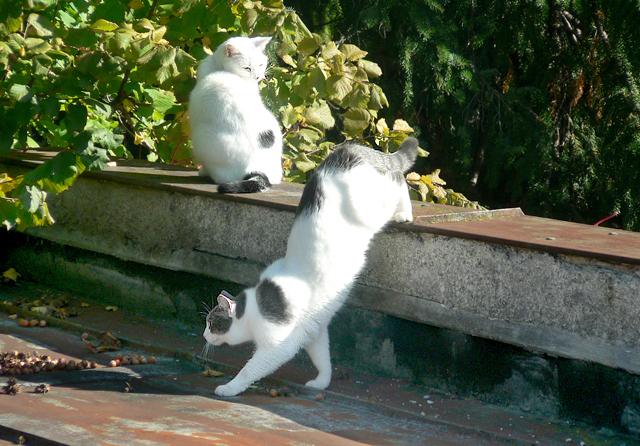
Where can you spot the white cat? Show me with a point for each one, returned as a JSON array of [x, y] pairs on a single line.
[[351, 196], [235, 137]]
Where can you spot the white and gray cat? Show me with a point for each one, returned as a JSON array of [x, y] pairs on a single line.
[[235, 137], [351, 196]]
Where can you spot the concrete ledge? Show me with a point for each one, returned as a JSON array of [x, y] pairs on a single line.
[[565, 289]]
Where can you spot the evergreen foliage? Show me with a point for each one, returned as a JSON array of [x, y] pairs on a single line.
[[532, 103]]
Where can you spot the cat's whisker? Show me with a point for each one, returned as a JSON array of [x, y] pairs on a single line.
[[207, 351]]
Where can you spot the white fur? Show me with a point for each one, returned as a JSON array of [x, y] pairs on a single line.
[[226, 114], [325, 252]]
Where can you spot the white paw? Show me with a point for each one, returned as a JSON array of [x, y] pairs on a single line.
[[402, 217], [319, 384], [227, 390]]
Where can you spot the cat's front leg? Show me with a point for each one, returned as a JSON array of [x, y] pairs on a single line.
[[263, 362], [404, 208], [318, 351]]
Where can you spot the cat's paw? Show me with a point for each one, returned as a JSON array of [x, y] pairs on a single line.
[[402, 217], [227, 390], [319, 384]]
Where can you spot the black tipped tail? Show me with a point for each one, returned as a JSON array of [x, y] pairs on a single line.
[[250, 184]]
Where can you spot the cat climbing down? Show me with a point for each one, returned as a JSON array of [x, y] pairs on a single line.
[[235, 137], [352, 195]]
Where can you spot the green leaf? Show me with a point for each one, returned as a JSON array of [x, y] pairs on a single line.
[[352, 52], [32, 198], [356, 120], [309, 45], [329, 50], [358, 97], [378, 99], [42, 25], [162, 100], [20, 93], [76, 117], [372, 69], [319, 115], [289, 116], [81, 38], [57, 174], [303, 163], [338, 86], [37, 46], [103, 26], [9, 212]]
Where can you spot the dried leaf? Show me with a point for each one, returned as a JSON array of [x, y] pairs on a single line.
[[11, 274], [401, 125]]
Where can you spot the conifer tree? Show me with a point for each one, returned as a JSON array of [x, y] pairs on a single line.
[[529, 103]]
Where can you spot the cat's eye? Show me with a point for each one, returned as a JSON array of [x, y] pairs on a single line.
[[248, 69]]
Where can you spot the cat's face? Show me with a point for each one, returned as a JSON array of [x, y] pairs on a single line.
[[219, 326], [245, 57]]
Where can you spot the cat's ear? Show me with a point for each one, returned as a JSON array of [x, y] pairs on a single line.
[[232, 51], [261, 42], [227, 304]]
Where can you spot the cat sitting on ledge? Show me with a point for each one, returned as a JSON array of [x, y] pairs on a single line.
[[235, 137]]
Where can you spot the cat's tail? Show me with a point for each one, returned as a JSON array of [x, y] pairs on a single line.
[[252, 182], [400, 161], [405, 157]]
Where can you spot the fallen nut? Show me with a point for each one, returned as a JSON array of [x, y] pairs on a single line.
[[42, 388]]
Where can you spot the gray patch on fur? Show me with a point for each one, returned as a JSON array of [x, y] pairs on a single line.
[[241, 304], [266, 139], [312, 197], [272, 303]]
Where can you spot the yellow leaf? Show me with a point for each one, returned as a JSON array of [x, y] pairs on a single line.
[[111, 308], [400, 125], [439, 193], [413, 178], [434, 177], [382, 127], [11, 274], [84, 305], [138, 139], [42, 311], [287, 164]]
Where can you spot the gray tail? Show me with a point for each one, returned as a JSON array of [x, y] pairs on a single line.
[[350, 155], [400, 161], [252, 182], [405, 156]]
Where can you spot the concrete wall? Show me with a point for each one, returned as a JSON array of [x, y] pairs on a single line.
[[574, 296]]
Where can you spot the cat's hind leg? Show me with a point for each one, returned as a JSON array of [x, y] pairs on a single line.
[[318, 351], [263, 362]]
